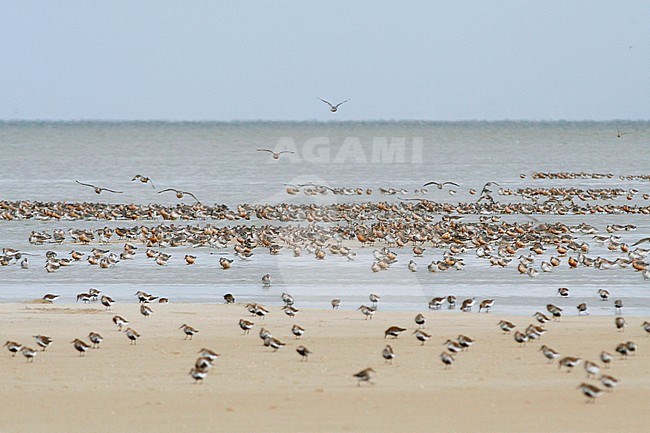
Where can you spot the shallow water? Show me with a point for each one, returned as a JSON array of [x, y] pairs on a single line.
[[219, 164]]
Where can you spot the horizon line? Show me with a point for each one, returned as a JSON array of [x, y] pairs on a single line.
[[235, 121]]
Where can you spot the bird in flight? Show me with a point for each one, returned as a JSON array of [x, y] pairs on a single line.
[[97, 189], [143, 179], [276, 155], [180, 194], [619, 134], [440, 185], [333, 108]]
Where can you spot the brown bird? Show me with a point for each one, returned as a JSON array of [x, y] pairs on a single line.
[[180, 194], [365, 376], [81, 346], [394, 331], [303, 352], [98, 190], [143, 179]]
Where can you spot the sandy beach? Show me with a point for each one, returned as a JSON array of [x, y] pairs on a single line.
[[495, 386]]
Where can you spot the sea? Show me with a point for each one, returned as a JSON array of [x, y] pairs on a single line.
[[220, 164]]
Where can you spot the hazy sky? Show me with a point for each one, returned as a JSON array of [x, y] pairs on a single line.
[[225, 60]]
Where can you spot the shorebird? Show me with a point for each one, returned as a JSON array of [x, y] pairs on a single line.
[[264, 333], [333, 108], [188, 330], [440, 185], [422, 336], [506, 326], [608, 381], [81, 346], [646, 327], [464, 341], [266, 280], [582, 308], [276, 155], [98, 190], [365, 376], [287, 299], [452, 346], [467, 305], [303, 352], [388, 354], [563, 291], [190, 259], [96, 339], [451, 301], [606, 358], [367, 311], [107, 301], [229, 298], [84, 297], [374, 299], [28, 353], [569, 362], [298, 331], [143, 179], [43, 341], [554, 310], [447, 359], [604, 294], [336, 303], [412, 266], [225, 263], [13, 347], [619, 134], [50, 298], [120, 322], [521, 338], [394, 331], [274, 343], [541, 318], [590, 391], [145, 297], [180, 194], [203, 363], [631, 347], [549, 353], [209, 354], [486, 305], [592, 369], [420, 320], [290, 311], [618, 306], [436, 303], [132, 335], [246, 326], [198, 375], [145, 310], [620, 323]]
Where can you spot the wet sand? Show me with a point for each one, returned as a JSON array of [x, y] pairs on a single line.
[[496, 386]]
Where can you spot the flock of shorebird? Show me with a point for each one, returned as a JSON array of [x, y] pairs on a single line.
[[447, 231], [453, 347]]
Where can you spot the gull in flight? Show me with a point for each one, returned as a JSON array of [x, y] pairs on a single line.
[[180, 194], [276, 155], [97, 189], [333, 108]]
